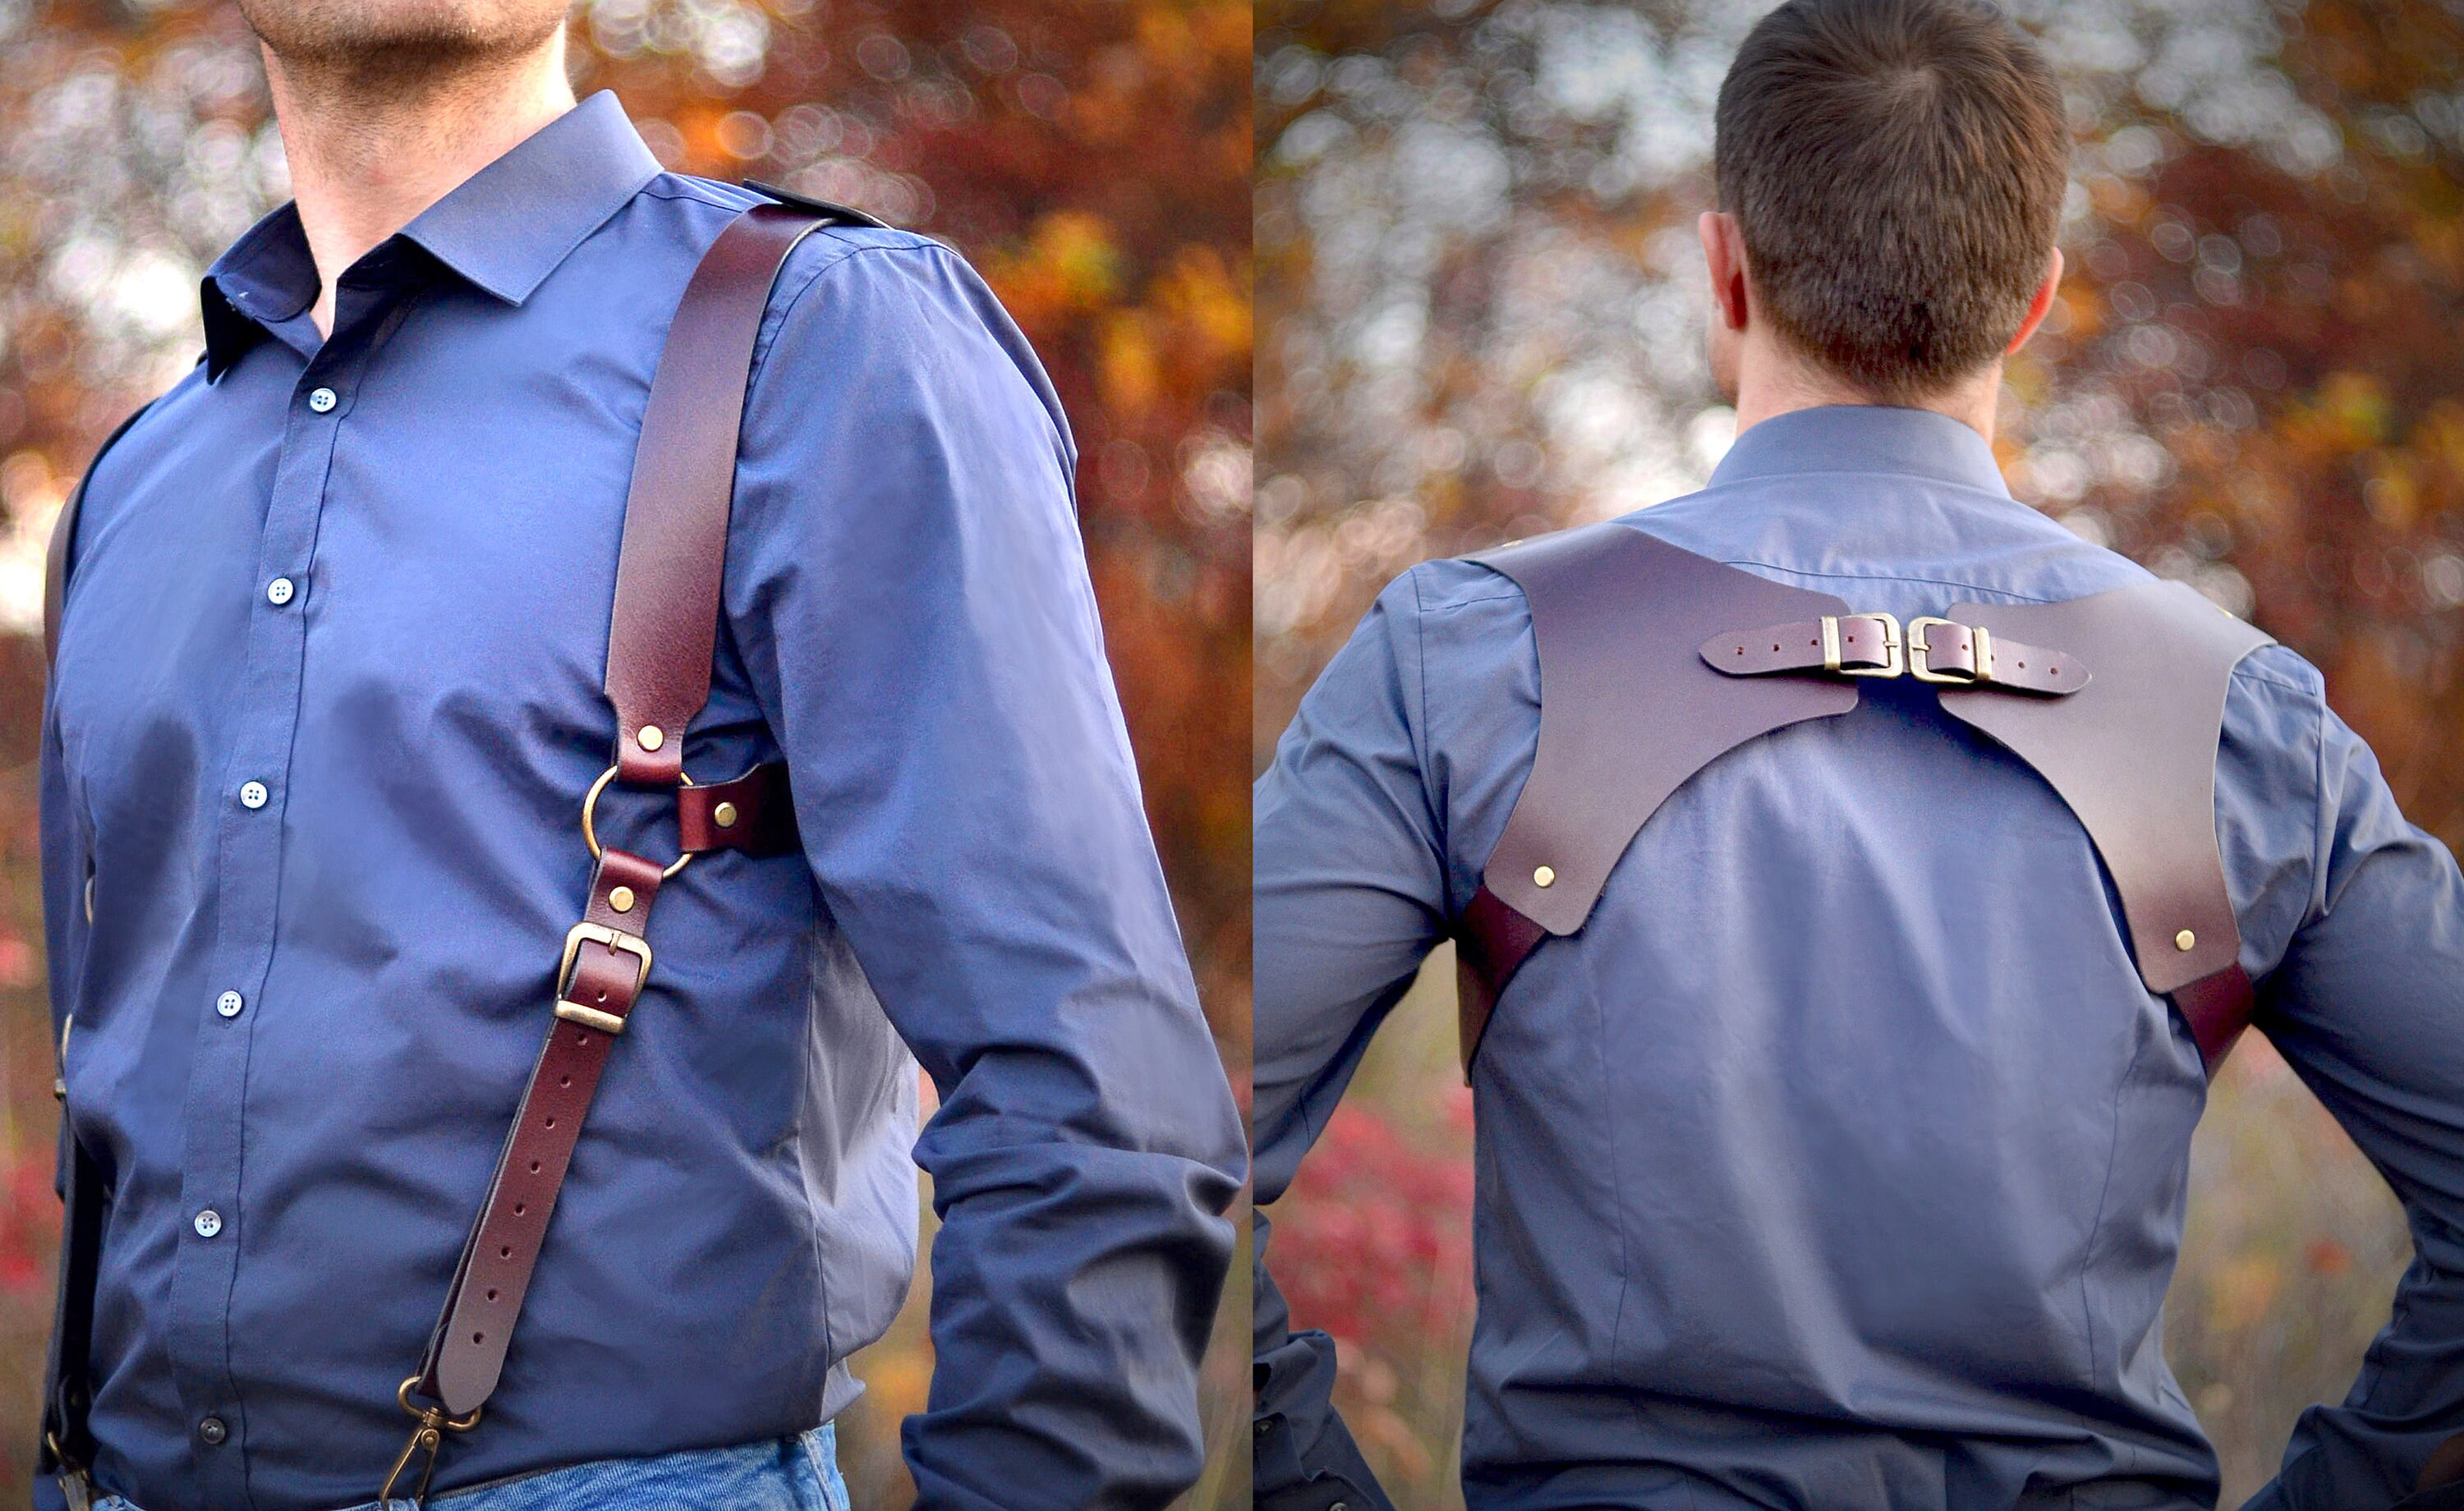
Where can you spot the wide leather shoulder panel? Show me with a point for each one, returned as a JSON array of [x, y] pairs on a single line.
[[1628, 708], [2133, 753]]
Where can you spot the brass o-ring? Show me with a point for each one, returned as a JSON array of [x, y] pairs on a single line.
[[590, 829]]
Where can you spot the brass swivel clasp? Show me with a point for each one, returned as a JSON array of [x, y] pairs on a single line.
[[426, 1438]]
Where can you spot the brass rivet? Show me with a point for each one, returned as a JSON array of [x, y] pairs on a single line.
[[621, 899], [651, 737], [1545, 876], [2184, 939], [724, 816]]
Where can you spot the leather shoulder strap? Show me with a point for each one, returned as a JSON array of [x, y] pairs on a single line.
[[2133, 753], [666, 618], [1628, 710], [661, 631], [56, 556]]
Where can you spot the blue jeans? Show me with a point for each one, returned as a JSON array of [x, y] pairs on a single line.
[[788, 1474]]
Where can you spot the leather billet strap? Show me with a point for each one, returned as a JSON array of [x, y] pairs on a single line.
[[1841, 644], [1941, 650], [2122, 721], [607, 966]]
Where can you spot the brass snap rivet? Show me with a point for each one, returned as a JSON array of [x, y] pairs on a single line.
[[621, 899], [651, 737], [724, 816], [1545, 876], [2185, 940]]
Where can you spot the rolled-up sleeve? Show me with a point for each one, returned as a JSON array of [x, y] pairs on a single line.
[[907, 588], [2367, 1006], [1349, 890]]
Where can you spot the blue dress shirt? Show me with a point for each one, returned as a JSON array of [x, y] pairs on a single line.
[[327, 699], [1839, 1162]]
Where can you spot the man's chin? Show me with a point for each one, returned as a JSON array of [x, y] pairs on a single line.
[[381, 35]]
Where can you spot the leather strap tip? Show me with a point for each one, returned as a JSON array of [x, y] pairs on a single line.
[[754, 813]]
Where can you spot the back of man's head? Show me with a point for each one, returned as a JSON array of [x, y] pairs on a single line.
[[1897, 169]]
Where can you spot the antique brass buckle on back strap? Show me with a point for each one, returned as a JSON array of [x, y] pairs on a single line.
[[1893, 662], [1920, 633]]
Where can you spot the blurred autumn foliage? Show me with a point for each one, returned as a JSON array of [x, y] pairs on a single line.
[[1480, 298], [1092, 159]]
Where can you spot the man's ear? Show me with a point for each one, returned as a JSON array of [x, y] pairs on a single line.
[[2040, 305], [1723, 253]]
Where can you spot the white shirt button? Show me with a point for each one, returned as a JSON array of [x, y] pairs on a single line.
[[278, 591], [322, 400], [253, 795], [208, 1223], [228, 1004]]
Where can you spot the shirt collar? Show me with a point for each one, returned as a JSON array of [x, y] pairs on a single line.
[[1865, 438], [503, 229]]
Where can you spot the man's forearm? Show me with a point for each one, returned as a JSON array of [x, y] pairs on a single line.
[[1074, 1290]]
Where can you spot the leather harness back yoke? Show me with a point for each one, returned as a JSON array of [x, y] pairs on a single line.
[[661, 631], [2115, 699]]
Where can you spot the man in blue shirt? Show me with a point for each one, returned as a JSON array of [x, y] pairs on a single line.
[[327, 700], [1837, 1161]]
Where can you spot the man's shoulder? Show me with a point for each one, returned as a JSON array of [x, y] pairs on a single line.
[[138, 440], [716, 202]]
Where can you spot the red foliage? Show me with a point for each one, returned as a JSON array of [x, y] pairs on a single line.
[[1373, 1243]]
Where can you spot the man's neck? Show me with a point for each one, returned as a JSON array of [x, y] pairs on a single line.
[[1772, 382], [372, 143]]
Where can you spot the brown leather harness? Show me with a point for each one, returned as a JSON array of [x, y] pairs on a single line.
[[662, 633], [1646, 680]]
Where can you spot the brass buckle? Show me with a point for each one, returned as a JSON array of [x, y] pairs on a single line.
[[1892, 661], [1920, 633], [590, 827], [633, 945]]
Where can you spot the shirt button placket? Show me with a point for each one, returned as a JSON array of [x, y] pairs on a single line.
[[249, 860]]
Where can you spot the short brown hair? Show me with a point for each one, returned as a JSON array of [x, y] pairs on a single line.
[[1897, 168]]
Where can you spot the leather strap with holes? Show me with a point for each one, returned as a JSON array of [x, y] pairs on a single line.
[[467, 1351], [662, 632], [1940, 650]]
